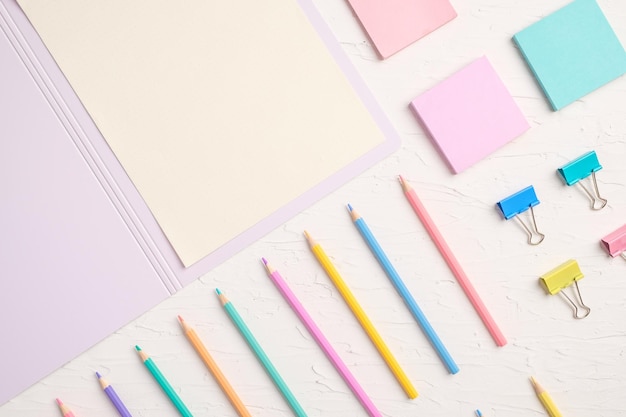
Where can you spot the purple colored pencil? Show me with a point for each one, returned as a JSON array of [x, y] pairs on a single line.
[[110, 392]]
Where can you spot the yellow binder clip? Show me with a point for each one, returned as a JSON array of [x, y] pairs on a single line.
[[562, 277]]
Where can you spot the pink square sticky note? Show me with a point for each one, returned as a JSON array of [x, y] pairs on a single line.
[[469, 115], [393, 25]]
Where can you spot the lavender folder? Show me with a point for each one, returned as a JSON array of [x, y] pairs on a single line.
[[74, 229]]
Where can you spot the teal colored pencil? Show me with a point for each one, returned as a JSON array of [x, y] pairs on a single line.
[[165, 385], [260, 354]]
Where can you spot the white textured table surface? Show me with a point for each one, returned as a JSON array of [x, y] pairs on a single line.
[[582, 363]]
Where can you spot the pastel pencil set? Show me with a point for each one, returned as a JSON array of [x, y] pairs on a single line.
[[568, 60]]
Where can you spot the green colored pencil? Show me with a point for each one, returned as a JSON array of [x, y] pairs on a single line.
[[165, 385], [260, 354]]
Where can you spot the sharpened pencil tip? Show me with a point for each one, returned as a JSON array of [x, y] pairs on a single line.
[[137, 348], [180, 319], [536, 386], [264, 261], [59, 402], [405, 185], [218, 292], [353, 214], [309, 239], [98, 375], [478, 413]]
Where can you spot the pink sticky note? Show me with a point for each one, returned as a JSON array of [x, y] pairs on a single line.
[[395, 24], [469, 115]]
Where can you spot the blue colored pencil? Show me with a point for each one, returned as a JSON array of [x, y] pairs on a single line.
[[410, 302]]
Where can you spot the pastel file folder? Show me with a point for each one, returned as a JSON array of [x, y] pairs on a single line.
[[572, 52], [469, 115], [518, 203], [79, 218], [615, 242], [579, 169], [562, 277], [393, 25]]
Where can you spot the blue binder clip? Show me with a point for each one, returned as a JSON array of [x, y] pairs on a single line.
[[579, 169], [516, 204]]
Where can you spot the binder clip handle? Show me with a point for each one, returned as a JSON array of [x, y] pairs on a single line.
[[594, 197], [540, 236], [576, 308]]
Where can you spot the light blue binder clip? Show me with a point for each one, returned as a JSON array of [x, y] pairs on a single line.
[[579, 169], [518, 203]]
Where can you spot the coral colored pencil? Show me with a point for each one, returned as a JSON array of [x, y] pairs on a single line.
[[453, 264], [321, 340], [202, 351], [65, 410], [360, 315]]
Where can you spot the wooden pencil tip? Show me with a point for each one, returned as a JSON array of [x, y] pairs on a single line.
[[353, 214], [180, 319], [309, 239], [98, 375], [478, 413], [267, 266], [538, 388], [218, 292], [137, 348], [59, 402], [405, 185]]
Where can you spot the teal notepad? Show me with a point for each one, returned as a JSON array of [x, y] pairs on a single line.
[[572, 52]]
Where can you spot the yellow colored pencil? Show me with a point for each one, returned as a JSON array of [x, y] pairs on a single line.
[[545, 399], [202, 351], [360, 315]]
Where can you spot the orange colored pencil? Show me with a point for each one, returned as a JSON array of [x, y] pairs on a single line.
[[197, 344]]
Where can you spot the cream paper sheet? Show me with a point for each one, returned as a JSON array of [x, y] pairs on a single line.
[[221, 112]]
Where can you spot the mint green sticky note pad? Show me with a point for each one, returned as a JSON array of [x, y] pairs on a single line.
[[572, 52]]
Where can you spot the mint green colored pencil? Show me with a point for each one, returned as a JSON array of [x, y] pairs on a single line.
[[260, 354], [165, 385]]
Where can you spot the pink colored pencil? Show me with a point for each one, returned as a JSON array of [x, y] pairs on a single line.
[[452, 262], [321, 340], [65, 410]]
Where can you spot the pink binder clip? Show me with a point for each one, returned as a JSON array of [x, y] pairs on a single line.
[[615, 243]]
